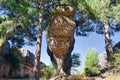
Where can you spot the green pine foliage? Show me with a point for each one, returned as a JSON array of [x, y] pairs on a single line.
[[100, 10], [115, 60], [71, 2], [14, 59], [47, 72], [76, 60], [19, 20], [21, 12], [91, 63], [114, 63]]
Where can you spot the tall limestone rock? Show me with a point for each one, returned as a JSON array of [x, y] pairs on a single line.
[[60, 37]]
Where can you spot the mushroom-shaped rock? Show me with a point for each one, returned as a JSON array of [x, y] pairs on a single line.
[[60, 35]]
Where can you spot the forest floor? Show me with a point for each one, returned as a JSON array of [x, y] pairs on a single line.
[[93, 78], [111, 77], [108, 78]]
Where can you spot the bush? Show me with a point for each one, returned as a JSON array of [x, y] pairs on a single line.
[[115, 59], [76, 76], [115, 63], [47, 72], [91, 63], [14, 59]]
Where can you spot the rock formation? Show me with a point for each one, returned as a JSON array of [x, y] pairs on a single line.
[[116, 48], [102, 61], [26, 62], [60, 37]]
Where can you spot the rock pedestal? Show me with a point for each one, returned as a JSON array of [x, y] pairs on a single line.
[[60, 34]]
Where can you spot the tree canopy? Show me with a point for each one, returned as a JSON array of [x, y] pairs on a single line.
[[24, 20]]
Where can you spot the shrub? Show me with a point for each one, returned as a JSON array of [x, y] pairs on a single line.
[[115, 59], [47, 72], [75, 77], [115, 63], [91, 63], [14, 59]]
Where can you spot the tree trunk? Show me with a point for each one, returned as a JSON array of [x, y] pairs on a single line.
[[108, 42], [39, 41]]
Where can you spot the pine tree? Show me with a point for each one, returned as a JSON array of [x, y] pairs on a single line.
[[91, 63], [105, 12], [39, 38], [22, 18], [102, 11], [18, 22]]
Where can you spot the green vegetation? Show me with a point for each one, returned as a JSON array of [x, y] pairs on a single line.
[[115, 59], [104, 12], [115, 62], [91, 63], [14, 59], [78, 76], [23, 17], [47, 72], [75, 60], [116, 48], [1, 41]]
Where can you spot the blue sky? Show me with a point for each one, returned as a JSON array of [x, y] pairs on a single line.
[[82, 44]]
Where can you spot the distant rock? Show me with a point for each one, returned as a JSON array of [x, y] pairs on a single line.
[[30, 57], [26, 69], [42, 65], [116, 48], [102, 61], [23, 51], [5, 48]]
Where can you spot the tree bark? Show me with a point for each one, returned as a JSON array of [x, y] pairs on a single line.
[[108, 42], [39, 40]]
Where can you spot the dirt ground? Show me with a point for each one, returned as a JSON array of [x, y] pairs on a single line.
[[95, 78], [109, 78]]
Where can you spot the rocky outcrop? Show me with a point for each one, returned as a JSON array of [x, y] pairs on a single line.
[[27, 67], [30, 57], [5, 48], [102, 60], [4, 64], [4, 67], [116, 48], [60, 36], [26, 62], [103, 64]]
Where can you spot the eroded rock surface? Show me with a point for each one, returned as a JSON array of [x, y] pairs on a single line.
[[60, 35], [26, 62]]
